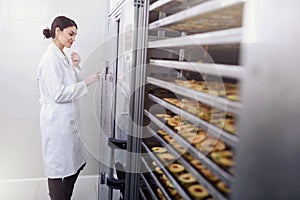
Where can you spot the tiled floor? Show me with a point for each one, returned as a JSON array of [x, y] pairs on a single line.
[[36, 189]]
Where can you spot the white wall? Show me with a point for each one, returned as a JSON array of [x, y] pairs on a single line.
[[21, 45]]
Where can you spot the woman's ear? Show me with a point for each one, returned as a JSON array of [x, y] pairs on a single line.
[[57, 30]]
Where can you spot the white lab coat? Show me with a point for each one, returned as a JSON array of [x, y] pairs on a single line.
[[60, 90]]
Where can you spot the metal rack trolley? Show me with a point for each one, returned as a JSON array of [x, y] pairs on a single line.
[[156, 42]]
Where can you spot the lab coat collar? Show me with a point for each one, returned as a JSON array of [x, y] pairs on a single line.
[[59, 54]]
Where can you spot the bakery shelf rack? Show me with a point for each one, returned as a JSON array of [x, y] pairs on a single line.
[[210, 188], [176, 185], [216, 132], [218, 171], [149, 188], [230, 71], [154, 178], [228, 36], [207, 16], [142, 194], [214, 101], [172, 6]]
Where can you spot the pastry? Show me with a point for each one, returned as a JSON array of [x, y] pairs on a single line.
[[173, 122], [187, 156], [186, 178], [209, 175], [229, 126], [210, 145], [166, 157], [172, 101], [176, 168], [158, 170], [197, 164], [198, 191], [160, 194], [169, 139], [159, 149], [179, 148], [162, 132], [223, 187], [163, 115]]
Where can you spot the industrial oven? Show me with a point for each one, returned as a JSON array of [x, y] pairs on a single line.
[[188, 110]]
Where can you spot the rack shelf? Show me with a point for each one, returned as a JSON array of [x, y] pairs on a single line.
[[204, 17], [230, 71], [149, 187], [172, 6], [162, 188], [229, 36], [224, 176], [176, 185], [158, 4], [218, 102], [210, 188], [142, 194], [216, 132]]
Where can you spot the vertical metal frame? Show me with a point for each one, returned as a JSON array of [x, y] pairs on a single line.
[[107, 115], [137, 101], [268, 153]]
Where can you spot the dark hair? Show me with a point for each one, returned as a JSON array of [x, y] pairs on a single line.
[[61, 22]]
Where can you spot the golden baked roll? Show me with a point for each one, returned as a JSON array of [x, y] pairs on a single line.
[[163, 115], [162, 132], [229, 125], [172, 101], [169, 139], [159, 149], [198, 191], [179, 148], [209, 175], [158, 170], [210, 145], [160, 194], [223, 187], [176, 168], [224, 161], [197, 164], [186, 178], [173, 123], [166, 157]]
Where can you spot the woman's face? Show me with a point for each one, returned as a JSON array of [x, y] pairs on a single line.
[[67, 36]]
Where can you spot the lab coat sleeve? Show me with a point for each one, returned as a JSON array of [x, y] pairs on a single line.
[[59, 90], [79, 73]]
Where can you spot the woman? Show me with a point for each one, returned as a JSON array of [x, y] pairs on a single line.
[[60, 90]]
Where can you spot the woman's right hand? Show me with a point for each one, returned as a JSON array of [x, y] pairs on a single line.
[[92, 78]]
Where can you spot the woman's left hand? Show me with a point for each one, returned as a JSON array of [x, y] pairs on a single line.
[[75, 59]]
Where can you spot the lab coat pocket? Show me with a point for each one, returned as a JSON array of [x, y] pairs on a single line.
[[68, 123]]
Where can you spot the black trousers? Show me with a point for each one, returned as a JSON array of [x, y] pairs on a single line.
[[62, 189]]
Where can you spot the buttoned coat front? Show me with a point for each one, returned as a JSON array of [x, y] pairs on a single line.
[[60, 91]]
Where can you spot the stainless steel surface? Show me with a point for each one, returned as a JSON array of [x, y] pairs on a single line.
[[172, 6], [149, 188], [149, 170], [268, 152], [229, 36], [216, 132], [230, 71], [158, 4], [176, 185], [115, 118], [136, 104], [142, 194], [227, 178], [207, 16], [208, 186], [214, 101]]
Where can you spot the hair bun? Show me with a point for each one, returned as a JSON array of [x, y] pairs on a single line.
[[47, 33]]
